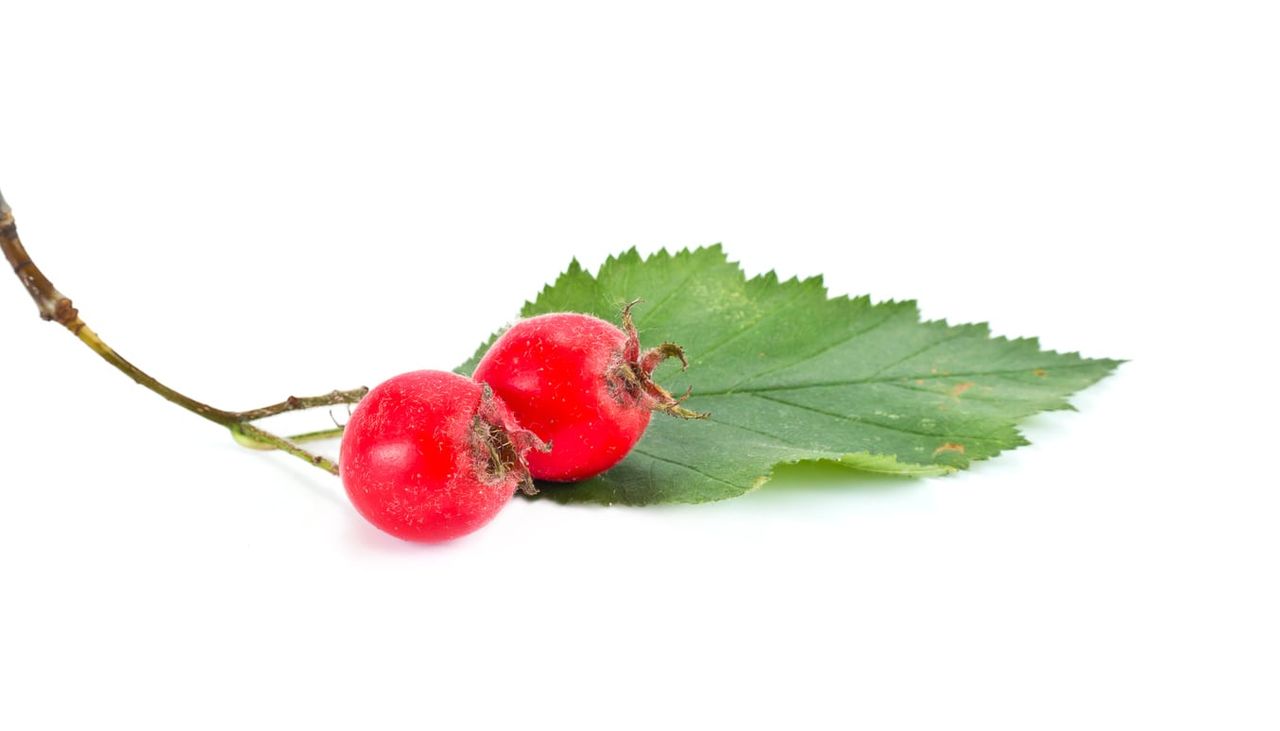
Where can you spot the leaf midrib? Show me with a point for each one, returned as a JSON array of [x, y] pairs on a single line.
[[887, 379]]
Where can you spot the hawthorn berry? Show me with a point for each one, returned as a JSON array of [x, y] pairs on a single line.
[[582, 385], [430, 456]]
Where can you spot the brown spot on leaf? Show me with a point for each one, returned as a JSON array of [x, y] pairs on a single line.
[[1039, 373], [960, 388], [919, 381], [949, 447]]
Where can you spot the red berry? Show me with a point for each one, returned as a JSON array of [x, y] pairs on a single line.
[[430, 456], [582, 385]]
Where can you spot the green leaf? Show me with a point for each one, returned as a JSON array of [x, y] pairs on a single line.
[[790, 375]]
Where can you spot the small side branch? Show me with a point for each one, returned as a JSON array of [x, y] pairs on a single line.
[[57, 307], [254, 434], [295, 403]]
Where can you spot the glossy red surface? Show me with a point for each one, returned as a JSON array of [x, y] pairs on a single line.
[[551, 370], [410, 461]]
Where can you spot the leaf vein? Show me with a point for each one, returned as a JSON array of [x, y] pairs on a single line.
[[861, 381], [653, 310], [811, 356], [921, 351], [786, 443], [750, 326], [968, 396], [858, 420], [709, 476]]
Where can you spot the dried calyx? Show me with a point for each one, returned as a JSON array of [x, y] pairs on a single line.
[[500, 443], [632, 372]]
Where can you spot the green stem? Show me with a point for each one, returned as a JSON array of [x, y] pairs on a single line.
[[249, 433], [317, 436], [311, 436]]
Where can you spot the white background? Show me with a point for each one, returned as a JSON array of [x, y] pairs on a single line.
[[257, 199]]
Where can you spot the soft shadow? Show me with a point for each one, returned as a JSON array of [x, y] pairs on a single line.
[[809, 480], [361, 534], [812, 488], [316, 483]]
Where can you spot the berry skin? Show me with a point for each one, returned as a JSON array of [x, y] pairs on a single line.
[[582, 385], [430, 456]]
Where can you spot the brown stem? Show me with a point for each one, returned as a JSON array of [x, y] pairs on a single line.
[[295, 403], [57, 307]]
